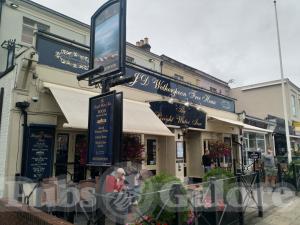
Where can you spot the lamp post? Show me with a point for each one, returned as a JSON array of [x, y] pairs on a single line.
[[286, 119]]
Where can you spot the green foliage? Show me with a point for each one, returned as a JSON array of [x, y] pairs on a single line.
[[152, 192], [296, 162], [218, 173], [226, 185]]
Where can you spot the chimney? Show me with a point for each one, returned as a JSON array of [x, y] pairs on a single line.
[[146, 40], [144, 44]]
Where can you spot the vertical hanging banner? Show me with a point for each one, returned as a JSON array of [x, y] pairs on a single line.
[[105, 128], [108, 40]]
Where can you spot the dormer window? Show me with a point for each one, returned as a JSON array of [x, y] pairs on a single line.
[[212, 89], [29, 26]]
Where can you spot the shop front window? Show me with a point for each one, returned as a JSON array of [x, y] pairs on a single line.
[[253, 142], [220, 152]]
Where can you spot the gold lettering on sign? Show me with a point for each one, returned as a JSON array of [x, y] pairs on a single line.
[[73, 59], [165, 119], [207, 98], [182, 120], [182, 110]]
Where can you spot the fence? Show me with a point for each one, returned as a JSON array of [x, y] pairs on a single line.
[[215, 202], [289, 175]]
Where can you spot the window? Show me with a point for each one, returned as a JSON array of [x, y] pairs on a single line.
[[129, 59], [293, 105], [178, 77], [29, 26], [253, 142], [212, 89], [151, 152]]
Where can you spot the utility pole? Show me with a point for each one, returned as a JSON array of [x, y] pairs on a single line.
[[286, 119]]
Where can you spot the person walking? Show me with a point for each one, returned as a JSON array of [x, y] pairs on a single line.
[[206, 161], [270, 169]]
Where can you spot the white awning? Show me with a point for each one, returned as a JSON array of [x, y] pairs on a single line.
[[233, 122], [137, 116], [295, 136], [246, 127]]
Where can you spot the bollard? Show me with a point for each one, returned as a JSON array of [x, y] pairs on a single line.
[[212, 181], [259, 196], [280, 178], [234, 167], [295, 176], [240, 199], [176, 192]]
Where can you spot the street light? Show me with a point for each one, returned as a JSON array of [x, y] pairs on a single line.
[[286, 119]]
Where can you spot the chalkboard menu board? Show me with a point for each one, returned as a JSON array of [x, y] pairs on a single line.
[[105, 126], [39, 151]]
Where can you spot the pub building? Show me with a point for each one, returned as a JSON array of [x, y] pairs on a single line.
[[173, 110]]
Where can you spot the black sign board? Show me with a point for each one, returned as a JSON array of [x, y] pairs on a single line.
[[177, 114], [105, 128], [39, 152], [108, 39], [254, 155], [166, 86], [61, 55]]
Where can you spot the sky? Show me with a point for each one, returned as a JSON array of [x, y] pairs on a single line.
[[229, 39]]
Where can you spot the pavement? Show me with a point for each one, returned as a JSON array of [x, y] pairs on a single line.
[[279, 209]]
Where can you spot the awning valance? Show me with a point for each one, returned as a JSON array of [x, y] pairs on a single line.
[[246, 127], [295, 136], [137, 116]]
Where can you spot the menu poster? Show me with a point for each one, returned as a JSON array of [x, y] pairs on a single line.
[[39, 151], [101, 128]]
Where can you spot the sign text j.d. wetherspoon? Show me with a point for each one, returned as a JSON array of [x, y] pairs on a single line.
[[163, 85]]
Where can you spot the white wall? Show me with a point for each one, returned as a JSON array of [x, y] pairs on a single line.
[[7, 83]]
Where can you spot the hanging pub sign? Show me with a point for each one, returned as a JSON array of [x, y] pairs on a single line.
[[39, 152], [108, 40], [166, 86], [177, 114], [105, 128]]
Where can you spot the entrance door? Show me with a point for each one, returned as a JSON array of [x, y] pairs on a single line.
[[62, 148], [80, 157]]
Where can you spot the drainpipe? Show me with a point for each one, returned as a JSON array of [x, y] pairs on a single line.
[[1, 6], [23, 106], [18, 176]]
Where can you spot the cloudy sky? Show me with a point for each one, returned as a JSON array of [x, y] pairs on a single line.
[[229, 39]]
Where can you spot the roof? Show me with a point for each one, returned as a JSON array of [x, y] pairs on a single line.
[[163, 57], [196, 71], [34, 4], [266, 84]]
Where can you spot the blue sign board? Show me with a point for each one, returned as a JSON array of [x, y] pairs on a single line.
[[62, 55], [163, 85], [39, 151], [101, 124], [177, 114]]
